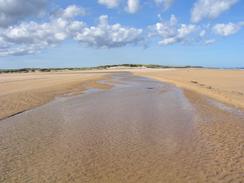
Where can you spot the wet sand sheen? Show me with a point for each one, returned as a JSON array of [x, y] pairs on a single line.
[[23, 91], [139, 131]]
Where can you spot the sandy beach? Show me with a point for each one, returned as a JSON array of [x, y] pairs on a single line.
[[23, 91], [121, 91], [140, 130], [224, 85]]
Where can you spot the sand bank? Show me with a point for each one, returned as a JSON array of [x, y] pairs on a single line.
[[23, 91], [224, 85]]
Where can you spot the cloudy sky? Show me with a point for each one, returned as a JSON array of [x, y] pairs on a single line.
[[70, 33]]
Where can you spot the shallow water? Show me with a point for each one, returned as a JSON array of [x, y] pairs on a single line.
[[139, 131]]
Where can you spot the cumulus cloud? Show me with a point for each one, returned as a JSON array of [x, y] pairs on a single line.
[[70, 12], [12, 11], [227, 29], [109, 3], [164, 3], [133, 6], [170, 32], [31, 37], [210, 9], [105, 35]]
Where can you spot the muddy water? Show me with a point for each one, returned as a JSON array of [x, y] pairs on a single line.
[[139, 131]]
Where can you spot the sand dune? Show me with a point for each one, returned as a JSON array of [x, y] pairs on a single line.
[[224, 85], [19, 92]]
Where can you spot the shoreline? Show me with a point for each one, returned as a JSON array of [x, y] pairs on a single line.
[[16, 96], [44, 88], [232, 98]]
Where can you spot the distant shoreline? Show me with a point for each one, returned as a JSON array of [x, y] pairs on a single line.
[[118, 66], [103, 67]]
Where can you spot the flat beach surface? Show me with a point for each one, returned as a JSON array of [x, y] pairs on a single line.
[[140, 130], [222, 84], [23, 91]]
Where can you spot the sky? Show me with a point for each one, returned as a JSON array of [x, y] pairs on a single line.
[[83, 33]]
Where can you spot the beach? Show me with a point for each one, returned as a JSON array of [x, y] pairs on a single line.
[[137, 130], [23, 91], [225, 85]]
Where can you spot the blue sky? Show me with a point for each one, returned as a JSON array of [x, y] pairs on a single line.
[[74, 33]]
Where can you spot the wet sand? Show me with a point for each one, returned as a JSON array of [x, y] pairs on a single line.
[[141, 130], [23, 91], [225, 85]]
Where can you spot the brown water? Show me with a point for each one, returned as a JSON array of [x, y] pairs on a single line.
[[139, 131]]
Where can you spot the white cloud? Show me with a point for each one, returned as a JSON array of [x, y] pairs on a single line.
[[180, 35], [105, 35], [226, 29], [170, 32], [71, 11], [164, 3], [12, 11], [133, 6], [209, 41], [31, 37], [202, 33], [210, 9], [109, 3]]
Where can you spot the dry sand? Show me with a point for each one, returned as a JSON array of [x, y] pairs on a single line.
[[224, 85], [20, 92], [139, 131]]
